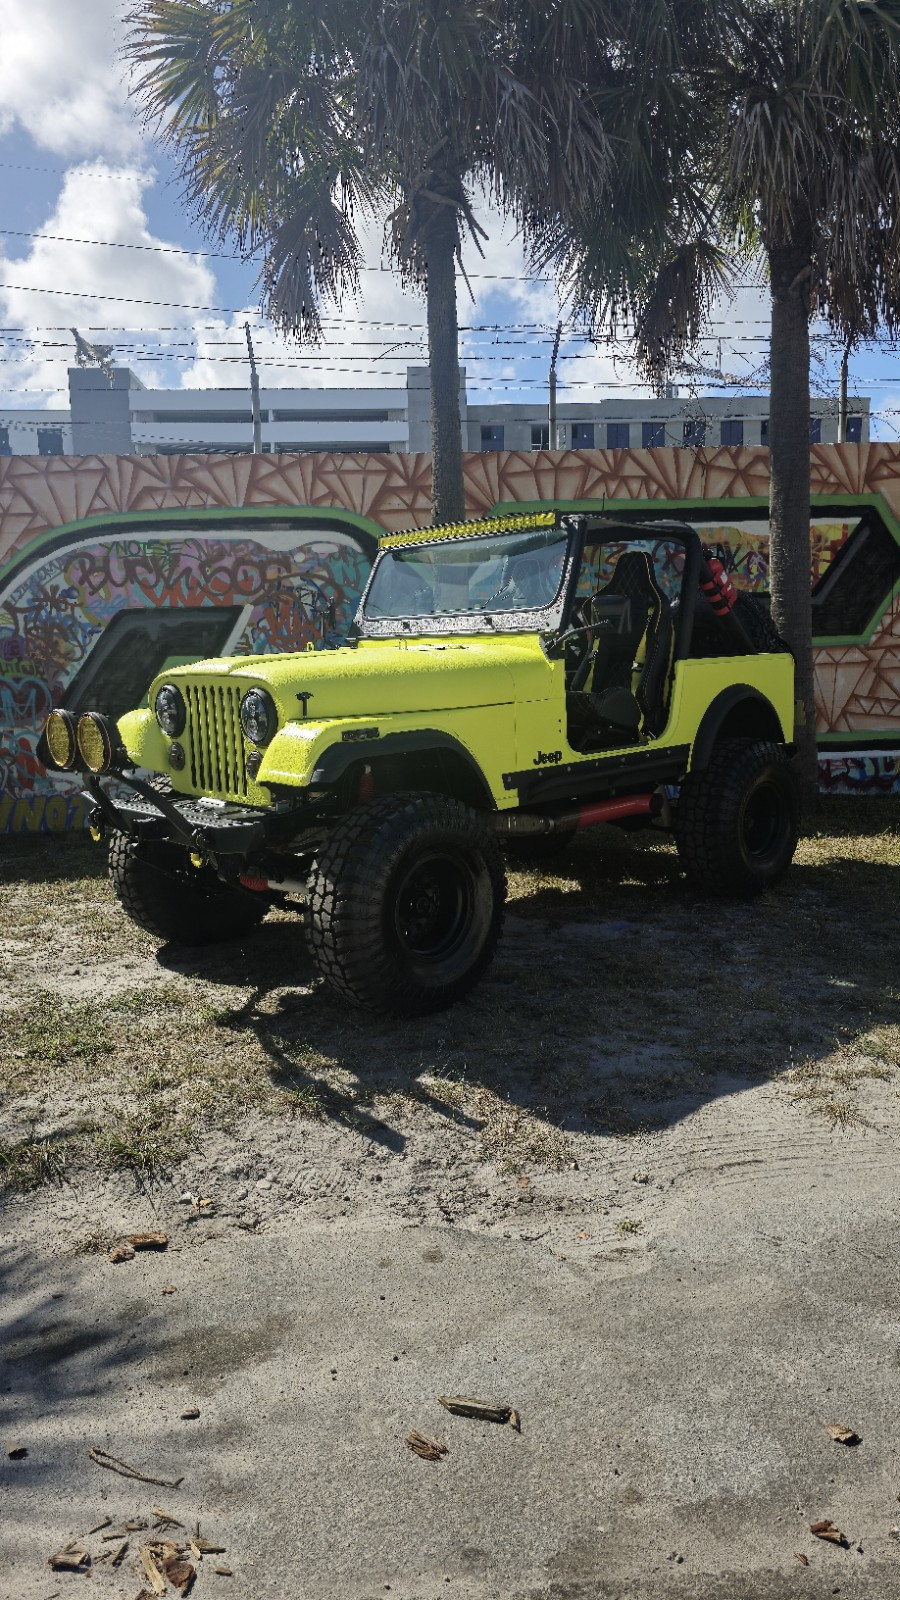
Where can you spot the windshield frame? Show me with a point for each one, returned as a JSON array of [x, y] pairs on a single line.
[[539, 620]]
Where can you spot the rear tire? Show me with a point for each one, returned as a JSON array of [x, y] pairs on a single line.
[[406, 903], [737, 822], [159, 890]]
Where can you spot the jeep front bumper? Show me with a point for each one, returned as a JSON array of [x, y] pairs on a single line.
[[210, 826]]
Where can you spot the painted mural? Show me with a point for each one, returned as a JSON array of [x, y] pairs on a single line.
[[113, 567]]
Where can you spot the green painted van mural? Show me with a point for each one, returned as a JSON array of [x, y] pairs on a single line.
[[113, 567]]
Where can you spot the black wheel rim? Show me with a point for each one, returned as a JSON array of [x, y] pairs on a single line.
[[765, 822], [434, 907]]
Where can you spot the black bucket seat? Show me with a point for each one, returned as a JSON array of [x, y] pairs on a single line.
[[622, 686]]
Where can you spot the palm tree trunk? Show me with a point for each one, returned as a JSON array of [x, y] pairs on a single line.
[[789, 480], [447, 490]]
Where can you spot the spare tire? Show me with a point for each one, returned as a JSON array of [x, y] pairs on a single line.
[[753, 613]]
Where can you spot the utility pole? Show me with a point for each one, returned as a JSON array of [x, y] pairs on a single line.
[[254, 395], [842, 397], [551, 409]]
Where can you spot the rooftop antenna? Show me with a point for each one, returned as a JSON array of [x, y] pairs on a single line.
[[93, 355]]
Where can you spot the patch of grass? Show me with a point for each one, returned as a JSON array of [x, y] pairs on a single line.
[[146, 1141], [94, 1244], [630, 1225], [306, 1101], [47, 1031], [146, 999], [30, 1163]]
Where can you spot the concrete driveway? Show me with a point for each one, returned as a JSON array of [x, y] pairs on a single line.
[[673, 1391]]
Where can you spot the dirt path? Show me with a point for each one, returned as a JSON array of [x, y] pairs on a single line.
[[644, 1185]]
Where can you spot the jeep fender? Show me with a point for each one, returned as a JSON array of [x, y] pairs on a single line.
[[739, 712], [411, 748]]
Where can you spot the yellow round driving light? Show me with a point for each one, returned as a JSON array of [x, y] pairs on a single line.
[[95, 742], [60, 735]]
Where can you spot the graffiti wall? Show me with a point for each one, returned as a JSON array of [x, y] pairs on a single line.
[[112, 568]]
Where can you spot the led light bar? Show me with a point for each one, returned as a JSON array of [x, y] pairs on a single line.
[[453, 530]]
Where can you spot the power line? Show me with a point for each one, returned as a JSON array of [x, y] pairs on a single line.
[[225, 255]]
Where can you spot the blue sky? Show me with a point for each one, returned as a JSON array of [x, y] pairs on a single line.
[[75, 163]]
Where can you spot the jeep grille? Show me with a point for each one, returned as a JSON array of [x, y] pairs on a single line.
[[217, 754]]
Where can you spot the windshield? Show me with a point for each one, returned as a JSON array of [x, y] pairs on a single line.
[[469, 577]]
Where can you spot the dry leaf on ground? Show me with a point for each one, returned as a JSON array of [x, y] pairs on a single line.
[[826, 1529], [148, 1241], [190, 1414], [121, 1252], [224, 1572], [428, 1449], [841, 1434], [180, 1573], [803, 1560]]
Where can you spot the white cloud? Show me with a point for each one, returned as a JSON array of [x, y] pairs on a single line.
[[60, 284], [366, 345], [61, 77]]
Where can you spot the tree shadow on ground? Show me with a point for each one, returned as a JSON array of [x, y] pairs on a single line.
[[619, 1000]]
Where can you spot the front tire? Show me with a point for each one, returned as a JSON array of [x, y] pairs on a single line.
[[737, 822], [406, 903], [159, 890]]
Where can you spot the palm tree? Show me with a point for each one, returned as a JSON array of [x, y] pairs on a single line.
[[294, 122], [795, 150]]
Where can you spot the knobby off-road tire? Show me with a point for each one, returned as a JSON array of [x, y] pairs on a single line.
[[159, 890], [406, 904], [737, 822]]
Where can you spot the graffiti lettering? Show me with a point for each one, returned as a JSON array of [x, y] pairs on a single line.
[[55, 813], [860, 774]]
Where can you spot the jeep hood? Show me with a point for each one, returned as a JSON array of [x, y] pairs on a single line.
[[385, 676]]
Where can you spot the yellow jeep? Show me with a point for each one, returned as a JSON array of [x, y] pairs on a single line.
[[506, 682]]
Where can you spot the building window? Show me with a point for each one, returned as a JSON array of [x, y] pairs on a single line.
[[854, 432], [815, 430], [653, 435], [492, 438], [4, 442], [732, 432], [694, 434], [540, 436], [618, 436], [764, 431], [582, 436], [50, 441]]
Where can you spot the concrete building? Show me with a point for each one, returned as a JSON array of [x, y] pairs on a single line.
[[123, 417]]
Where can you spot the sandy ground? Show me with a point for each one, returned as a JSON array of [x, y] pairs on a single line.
[[643, 1187]]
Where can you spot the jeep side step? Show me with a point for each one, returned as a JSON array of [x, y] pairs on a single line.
[[529, 823]]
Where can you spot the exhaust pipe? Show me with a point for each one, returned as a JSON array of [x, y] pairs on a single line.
[[524, 823]]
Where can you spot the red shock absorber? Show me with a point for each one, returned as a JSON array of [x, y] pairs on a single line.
[[718, 587]]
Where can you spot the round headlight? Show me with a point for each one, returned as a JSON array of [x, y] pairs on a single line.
[[60, 734], [259, 719], [171, 712], [95, 742]]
